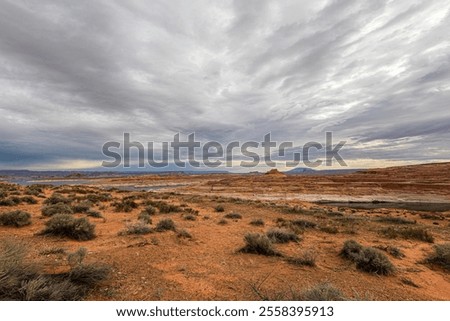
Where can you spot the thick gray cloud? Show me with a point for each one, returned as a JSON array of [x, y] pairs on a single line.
[[75, 74]]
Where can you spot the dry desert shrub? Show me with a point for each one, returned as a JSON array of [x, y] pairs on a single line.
[[219, 208], [307, 258], [24, 281], [137, 228], [57, 198], [395, 220], [409, 233], [257, 222], [66, 225], [58, 208], [278, 235], [15, 218], [367, 259], [258, 244], [145, 217], [165, 225], [233, 216], [440, 256]]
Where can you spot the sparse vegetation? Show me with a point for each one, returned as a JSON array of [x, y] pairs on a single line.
[[257, 222], [277, 235], [395, 220], [373, 261], [222, 222], [304, 223], [82, 207], [57, 198], [392, 250], [58, 208], [164, 207], [367, 259], [66, 225], [330, 229], [26, 282], [149, 210], [126, 205], [184, 234], [165, 225], [93, 213], [322, 292], [233, 216], [145, 217], [410, 233], [15, 218], [258, 244], [307, 258], [219, 208], [137, 228], [189, 217], [440, 256]]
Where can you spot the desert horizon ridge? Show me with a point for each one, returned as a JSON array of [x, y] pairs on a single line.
[[375, 234]]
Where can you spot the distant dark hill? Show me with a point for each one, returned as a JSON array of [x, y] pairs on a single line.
[[310, 171]]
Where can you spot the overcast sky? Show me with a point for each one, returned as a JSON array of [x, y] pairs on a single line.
[[76, 74]]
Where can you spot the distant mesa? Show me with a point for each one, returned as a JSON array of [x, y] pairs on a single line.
[[275, 172]]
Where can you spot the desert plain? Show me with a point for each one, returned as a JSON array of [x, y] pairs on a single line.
[[378, 234]]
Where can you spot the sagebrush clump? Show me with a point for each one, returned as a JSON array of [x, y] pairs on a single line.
[[258, 244], [367, 259], [66, 225], [15, 218]]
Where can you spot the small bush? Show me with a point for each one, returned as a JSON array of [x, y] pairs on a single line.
[[395, 220], [278, 235], [66, 225], [149, 210], [322, 292], [351, 250], [59, 208], [392, 250], [373, 261], [258, 244], [100, 197], [15, 218], [441, 256], [57, 198], [126, 205], [77, 257], [164, 207], [82, 207], [145, 217], [304, 223], [165, 225], [233, 216], [26, 282], [93, 213], [410, 233], [184, 234], [7, 202], [257, 222], [222, 222], [329, 229], [29, 200], [367, 259], [88, 274], [308, 258], [189, 217], [138, 228], [219, 208]]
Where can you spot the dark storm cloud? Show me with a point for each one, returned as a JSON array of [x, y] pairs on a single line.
[[75, 74]]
